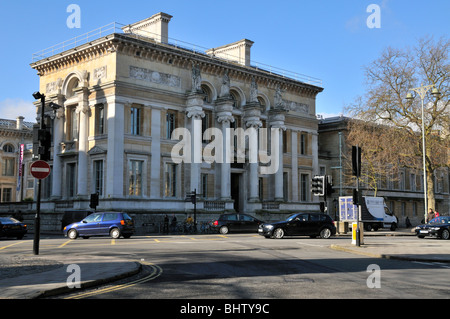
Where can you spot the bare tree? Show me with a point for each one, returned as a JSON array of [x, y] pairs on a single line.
[[389, 79]]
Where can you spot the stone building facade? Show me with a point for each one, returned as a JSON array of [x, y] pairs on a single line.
[[16, 140], [123, 95], [403, 193]]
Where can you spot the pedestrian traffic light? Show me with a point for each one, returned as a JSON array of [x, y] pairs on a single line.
[[318, 185]]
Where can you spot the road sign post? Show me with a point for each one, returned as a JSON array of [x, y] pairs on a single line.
[[39, 170]]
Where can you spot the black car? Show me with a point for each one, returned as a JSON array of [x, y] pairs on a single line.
[[301, 224], [438, 227], [236, 223], [11, 227]]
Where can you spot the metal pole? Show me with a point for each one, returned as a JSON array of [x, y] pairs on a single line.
[[358, 231], [37, 219], [424, 166]]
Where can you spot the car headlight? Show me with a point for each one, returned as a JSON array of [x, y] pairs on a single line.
[[268, 227], [435, 228]]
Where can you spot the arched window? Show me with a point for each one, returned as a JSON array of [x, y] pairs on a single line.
[[73, 84], [207, 93], [8, 148], [236, 99], [262, 103]]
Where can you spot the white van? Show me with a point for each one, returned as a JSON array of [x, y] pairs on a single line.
[[374, 213]]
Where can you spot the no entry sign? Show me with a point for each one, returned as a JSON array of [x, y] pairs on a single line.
[[40, 169]]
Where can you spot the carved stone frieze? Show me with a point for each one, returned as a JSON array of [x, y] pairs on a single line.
[[154, 77]]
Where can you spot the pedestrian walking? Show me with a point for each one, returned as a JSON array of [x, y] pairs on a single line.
[[407, 222]]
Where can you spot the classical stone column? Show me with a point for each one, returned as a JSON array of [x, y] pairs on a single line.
[[276, 120], [115, 153], [155, 171], [195, 113], [294, 145], [58, 134], [84, 111], [224, 107], [252, 119]]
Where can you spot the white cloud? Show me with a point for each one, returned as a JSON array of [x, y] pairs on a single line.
[[13, 108]]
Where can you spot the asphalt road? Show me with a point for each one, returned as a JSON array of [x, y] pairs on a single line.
[[248, 266]]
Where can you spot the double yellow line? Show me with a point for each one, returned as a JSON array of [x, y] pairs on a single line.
[[156, 272]]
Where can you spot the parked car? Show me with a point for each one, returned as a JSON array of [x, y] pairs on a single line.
[[438, 227], [11, 227], [114, 224], [72, 216], [236, 223], [301, 224]]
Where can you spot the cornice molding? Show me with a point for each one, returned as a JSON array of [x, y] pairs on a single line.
[[164, 53]]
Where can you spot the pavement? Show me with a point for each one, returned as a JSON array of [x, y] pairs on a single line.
[[31, 276]]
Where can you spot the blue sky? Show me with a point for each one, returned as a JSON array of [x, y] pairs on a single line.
[[326, 39]]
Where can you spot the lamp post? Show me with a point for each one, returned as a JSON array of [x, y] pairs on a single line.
[[422, 91]]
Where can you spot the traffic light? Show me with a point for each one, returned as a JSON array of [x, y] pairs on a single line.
[[42, 141], [45, 141], [318, 185], [328, 185]]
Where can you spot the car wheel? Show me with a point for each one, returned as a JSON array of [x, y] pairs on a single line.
[[72, 234], [393, 226], [325, 233], [114, 233], [445, 234], [420, 236], [224, 230], [278, 233]]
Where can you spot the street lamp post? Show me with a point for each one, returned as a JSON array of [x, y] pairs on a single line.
[[422, 91], [37, 219]]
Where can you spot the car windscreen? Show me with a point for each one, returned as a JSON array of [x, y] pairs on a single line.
[[8, 220]]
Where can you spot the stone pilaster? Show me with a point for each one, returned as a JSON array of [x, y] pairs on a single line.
[[115, 156]]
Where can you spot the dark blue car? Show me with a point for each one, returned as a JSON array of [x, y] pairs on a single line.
[[114, 224]]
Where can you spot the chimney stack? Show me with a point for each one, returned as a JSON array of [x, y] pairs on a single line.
[[155, 27], [19, 122]]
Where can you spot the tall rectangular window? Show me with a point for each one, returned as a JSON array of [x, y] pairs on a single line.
[[71, 180], [170, 124], [99, 119], [170, 180], [6, 195], [204, 185], [304, 187], [135, 119], [73, 123], [8, 167], [98, 177], [135, 178], [303, 143]]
